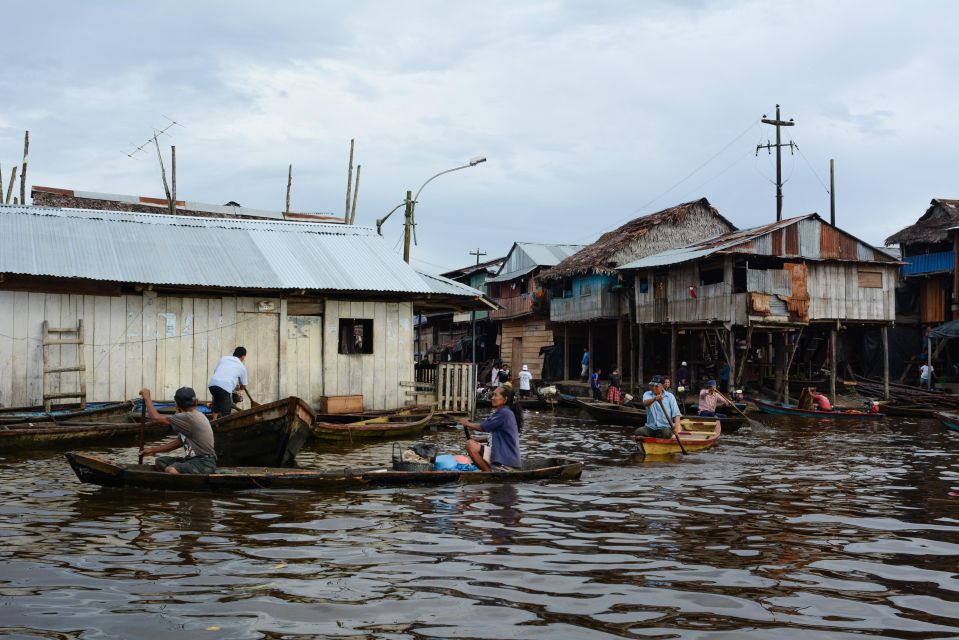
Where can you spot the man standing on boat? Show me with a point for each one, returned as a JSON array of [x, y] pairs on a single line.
[[230, 374], [710, 400], [194, 434], [662, 412], [525, 382]]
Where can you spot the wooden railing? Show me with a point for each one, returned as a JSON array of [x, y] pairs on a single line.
[[512, 307]]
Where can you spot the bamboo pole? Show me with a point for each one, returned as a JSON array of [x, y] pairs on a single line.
[[289, 185], [173, 176], [356, 193], [23, 172], [349, 183], [166, 186], [13, 180]]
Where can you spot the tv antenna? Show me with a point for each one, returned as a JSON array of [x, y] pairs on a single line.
[[153, 139]]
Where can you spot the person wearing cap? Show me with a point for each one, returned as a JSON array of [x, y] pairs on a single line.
[[662, 412], [525, 382], [682, 375], [710, 399], [194, 433], [230, 374]]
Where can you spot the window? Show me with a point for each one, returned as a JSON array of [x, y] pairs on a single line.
[[356, 335], [585, 289], [644, 284], [711, 272], [870, 279]]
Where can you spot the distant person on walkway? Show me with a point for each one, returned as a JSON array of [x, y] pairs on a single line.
[[926, 372], [683, 375], [502, 453], [594, 384], [662, 412], [614, 392], [230, 374], [710, 399], [525, 382], [193, 429], [494, 378], [584, 369]]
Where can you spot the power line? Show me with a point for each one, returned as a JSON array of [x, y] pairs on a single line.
[[806, 160]]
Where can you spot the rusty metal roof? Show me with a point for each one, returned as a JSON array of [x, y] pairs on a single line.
[[206, 252]]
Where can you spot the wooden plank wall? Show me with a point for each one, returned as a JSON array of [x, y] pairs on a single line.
[[535, 333], [304, 358], [834, 293], [377, 375]]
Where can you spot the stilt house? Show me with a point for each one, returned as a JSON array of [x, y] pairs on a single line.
[[95, 305]]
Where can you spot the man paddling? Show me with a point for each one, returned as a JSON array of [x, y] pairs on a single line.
[[710, 400], [194, 434], [662, 412]]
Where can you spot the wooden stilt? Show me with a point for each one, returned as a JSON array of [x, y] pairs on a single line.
[[732, 360], [640, 357], [673, 335], [619, 344], [885, 362], [565, 352], [833, 364], [589, 345]]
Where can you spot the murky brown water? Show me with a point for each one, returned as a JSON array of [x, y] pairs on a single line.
[[790, 532]]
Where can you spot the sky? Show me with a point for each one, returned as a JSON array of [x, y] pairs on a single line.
[[589, 113]]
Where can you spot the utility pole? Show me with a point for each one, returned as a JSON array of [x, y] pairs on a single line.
[[778, 123], [407, 226], [476, 253], [832, 192]]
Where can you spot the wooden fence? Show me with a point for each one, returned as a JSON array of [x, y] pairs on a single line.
[[455, 386]]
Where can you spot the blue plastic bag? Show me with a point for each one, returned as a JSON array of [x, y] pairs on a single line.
[[444, 462]]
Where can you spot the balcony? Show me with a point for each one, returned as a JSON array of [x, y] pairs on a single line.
[[513, 307], [600, 304]]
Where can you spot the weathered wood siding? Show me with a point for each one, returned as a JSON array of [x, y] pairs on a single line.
[[535, 333], [673, 302], [835, 292], [591, 298], [376, 375], [165, 342]]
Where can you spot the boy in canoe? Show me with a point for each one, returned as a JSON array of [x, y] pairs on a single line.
[[194, 433], [662, 412]]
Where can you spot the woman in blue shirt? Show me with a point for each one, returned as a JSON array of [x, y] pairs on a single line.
[[503, 425]]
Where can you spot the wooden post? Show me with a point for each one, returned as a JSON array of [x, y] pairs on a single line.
[[885, 362], [833, 364], [166, 186], [356, 193], [407, 226], [565, 350], [673, 335], [13, 179], [349, 184], [589, 347], [289, 186], [173, 179], [779, 360], [929, 361], [732, 360], [23, 172], [640, 357], [742, 363], [619, 344]]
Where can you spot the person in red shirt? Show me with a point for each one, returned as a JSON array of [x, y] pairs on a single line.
[[822, 402]]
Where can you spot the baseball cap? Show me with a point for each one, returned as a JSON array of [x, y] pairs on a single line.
[[185, 397], [656, 380], [711, 383]]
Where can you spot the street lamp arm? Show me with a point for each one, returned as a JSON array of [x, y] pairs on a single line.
[[380, 221], [417, 196]]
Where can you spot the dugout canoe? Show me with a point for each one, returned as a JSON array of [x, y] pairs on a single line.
[[948, 419], [93, 412], [270, 434], [48, 434], [609, 413], [697, 434], [397, 425], [100, 471], [779, 409]]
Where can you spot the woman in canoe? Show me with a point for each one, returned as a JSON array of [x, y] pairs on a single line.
[[503, 424]]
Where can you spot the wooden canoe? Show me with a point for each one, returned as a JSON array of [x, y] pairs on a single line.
[[609, 413], [908, 411], [948, 419], [93, 412], [697, 434], [390, 426], [48, 434], [270, 434], [97, 470], [778, 409]]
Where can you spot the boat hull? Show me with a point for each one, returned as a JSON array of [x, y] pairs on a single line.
[[692, 436], [270, 434], [99, 471], [787, 410], [380, 428], [46, 434], [93, 412], [949, 420]]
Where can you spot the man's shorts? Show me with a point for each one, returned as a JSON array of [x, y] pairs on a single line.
[[654, 433], [222, 401], [196, 464]]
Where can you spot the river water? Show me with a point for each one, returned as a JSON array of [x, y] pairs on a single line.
[[792, 531]]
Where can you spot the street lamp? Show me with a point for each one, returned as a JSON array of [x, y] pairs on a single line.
[[410, 204]]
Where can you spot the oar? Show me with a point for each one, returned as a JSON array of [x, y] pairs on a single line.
[[253, 403], [143, 426], [752, 423], [675, 433]]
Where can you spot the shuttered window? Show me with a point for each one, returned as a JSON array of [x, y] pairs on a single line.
[[869, 279]]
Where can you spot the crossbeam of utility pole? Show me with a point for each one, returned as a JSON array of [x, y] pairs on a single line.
[[477, 253], [778, 122]]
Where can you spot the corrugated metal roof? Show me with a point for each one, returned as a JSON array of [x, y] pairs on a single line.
[[524, 257], [217, 252], [445, 286], [927, 263]]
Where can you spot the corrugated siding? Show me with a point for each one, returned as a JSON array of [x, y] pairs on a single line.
[[526, 256], [156, 249], [941, 262], [809, 238]]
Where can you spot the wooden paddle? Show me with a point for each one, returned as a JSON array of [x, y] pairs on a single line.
[[143, 426], [675, 433], [253, 403], [752, 423]]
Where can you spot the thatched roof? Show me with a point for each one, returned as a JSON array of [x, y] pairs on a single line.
[[642, 237], [932, 227]]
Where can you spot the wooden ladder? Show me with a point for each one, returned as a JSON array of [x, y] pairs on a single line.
[[63, 339]]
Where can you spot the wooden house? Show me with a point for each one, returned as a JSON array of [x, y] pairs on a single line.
[[589, 297], [523, 316], [155, 300], [748, 289], [930, 250]]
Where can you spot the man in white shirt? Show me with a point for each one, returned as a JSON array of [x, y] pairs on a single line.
[[525, 378], [230, 374], [925, 374]]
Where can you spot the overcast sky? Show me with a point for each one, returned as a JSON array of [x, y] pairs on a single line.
[[590, 113]]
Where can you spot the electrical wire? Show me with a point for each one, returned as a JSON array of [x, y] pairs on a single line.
[[809, 164]]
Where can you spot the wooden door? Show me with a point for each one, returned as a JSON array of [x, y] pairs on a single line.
[[516, 357], [304, 358], [260, 334]]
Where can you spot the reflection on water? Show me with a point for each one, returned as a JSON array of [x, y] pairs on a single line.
[[794, 531]]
